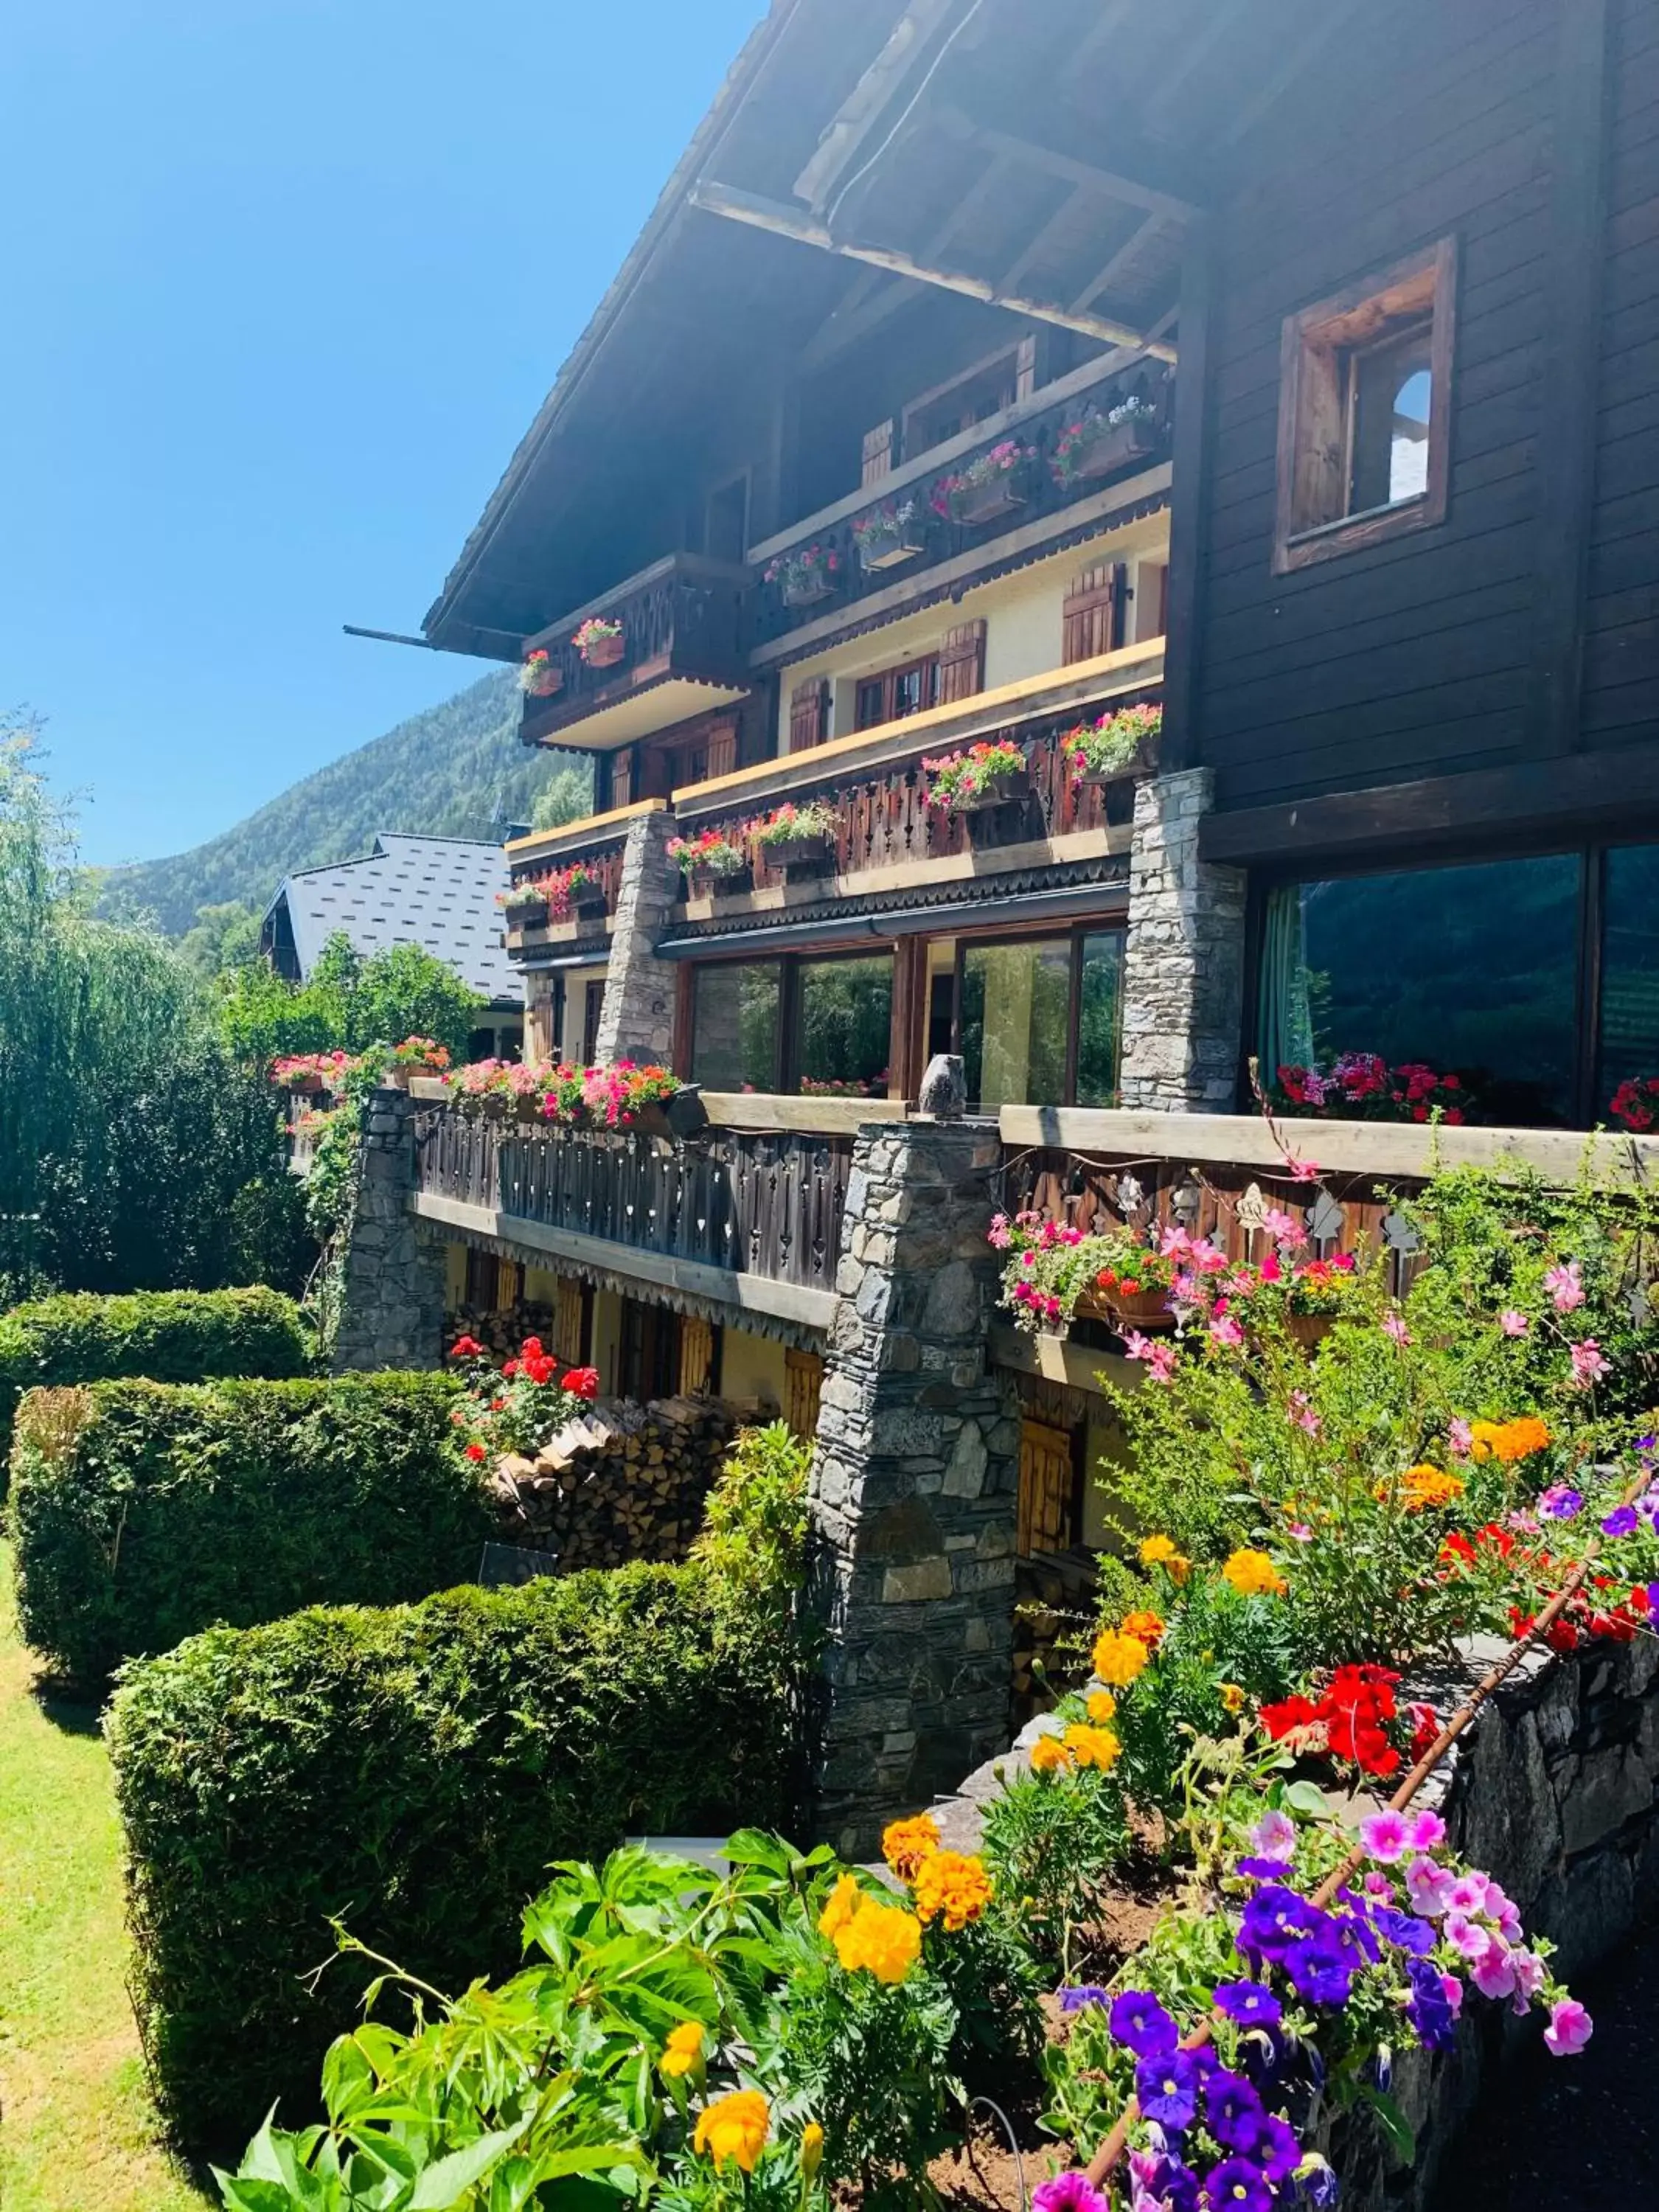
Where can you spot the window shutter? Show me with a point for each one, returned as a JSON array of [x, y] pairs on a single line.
[[803, 1381], [962, 662], [696, 1374], [568, 1321], [878, 453], [509, 1287], [722, 749], [1025, 367], [808, 714], [1047, 1486], [622, 778], [1092, 616]]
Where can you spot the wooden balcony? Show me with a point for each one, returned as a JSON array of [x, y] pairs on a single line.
[[535, 863], [877, 787], [1032, 505], [682, 652]]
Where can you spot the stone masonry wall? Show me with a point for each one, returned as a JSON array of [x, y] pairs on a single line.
[[392, 1308], [1183, 974], [638, 1020], [914, 1486]]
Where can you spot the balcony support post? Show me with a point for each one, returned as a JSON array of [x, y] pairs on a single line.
[[1183, 972], [638, 1020], [915, 1485], [392, 1303]]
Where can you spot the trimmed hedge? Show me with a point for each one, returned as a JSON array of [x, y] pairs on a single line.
[[170, 1336], [412, 1773], [144, 1511]]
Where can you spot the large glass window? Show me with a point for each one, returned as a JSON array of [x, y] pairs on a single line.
[[1099, 1018], [734, 1028], [843, 1019], [1473, 969], [1630, 971], [1021, 1003]]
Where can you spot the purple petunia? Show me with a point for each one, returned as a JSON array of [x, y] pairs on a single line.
[[1236, 2186], [1250, 2004], [1275, 1918], [1139, 2022], [1404, 1931], [1321, 1970], [1621, 1522], [1427, 2007], [1166, 2087], [1561, 1502], [1278, 2150], [1232, 2112], [1084, 1994], [1262, 1870]]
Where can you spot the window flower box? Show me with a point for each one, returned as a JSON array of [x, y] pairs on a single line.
[[890, 537], [599, 642], [712, 863], [805, 578], [1101, 752], [414, 1056], [575, 893], [523, 910], [976, 781], [675, 1119], [993, 485], [540, 675], [1101, 443], [799, 839]]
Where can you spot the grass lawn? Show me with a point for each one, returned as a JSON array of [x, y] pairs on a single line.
[[76, 2133]]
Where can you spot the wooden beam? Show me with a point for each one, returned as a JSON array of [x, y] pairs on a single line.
[[785, 222], [1106, 275], [868, 102], [1127, 182], [1566, 455]]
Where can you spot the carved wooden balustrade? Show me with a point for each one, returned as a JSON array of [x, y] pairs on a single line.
[[602, 858], [749, 1202], [684, 616]]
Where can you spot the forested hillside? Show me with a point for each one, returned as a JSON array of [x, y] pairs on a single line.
[[457, 770]]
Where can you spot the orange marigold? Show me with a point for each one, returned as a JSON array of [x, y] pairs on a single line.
[[1093, 1747], [734, 2128], [881, 1940], [1049, 1755], [1101, 1706], [845, 1899], [1146, 1628], [1254, 1574], [906, 1843], [952, 1886], [1119, 1659], [1424, 1487], [1508, 1441]]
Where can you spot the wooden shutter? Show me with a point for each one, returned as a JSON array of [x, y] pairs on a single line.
[[1047, 1483], [803, 1381], [722, 749], [878, 453], [808, 714], [1092, 616], [621, 777], [509, 1287], [696, 1356], [1025, 367], [568, 1321], [962, 662]]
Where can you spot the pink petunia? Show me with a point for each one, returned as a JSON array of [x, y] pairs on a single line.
[[1467, 1935], [1385, 1837], [1429, 1887], [1569, 2029], [1493, 1973], [1454, 1993], [1273, 1837], [1426, 1830]]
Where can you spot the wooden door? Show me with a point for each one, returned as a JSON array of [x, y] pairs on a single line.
[[1048, 1487]]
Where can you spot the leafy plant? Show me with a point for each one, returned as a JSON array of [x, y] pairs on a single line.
[[1116, 741], [790, 822], [960, 780]]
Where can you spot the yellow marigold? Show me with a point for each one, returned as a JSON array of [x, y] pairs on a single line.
[[1507, 1441], [1155, 1550], [1103, 1707], [1049, 1755], [1146, 1628], [1119, 1659], [881, 1939], [1178, 1569], [1093, 1747], [812, 2149], [1423, 1487], [734, 2127], [953, 1885], [906, 1843], [684, 2048], [845, 1899], [1254, 1574], [1233, 1697]]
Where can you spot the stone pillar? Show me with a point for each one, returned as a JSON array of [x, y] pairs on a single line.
[[392, 1302], [638, 1020], [1183, 972], [915, 1485]]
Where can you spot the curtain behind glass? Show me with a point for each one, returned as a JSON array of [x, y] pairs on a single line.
[[1285, 1025]]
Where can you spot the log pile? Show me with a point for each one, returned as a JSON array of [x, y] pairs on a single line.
[[621, 1482], [500, 1331]]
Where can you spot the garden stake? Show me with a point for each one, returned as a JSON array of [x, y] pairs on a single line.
[[1106, 2158]]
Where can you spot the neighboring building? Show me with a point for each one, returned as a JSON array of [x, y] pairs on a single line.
[[441, 893]]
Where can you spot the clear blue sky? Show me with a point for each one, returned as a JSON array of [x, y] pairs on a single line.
[[283, 281]]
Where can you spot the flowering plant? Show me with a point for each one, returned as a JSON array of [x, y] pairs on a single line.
[[960, 780], [421, 1052], [1362, 1086], [539, 675], [596, 635], [790, 822], [521, 1406], [511, 1079], [1635, 1104], [710, 853], [885, 527], [308, 1070], [1102, 748], [952, 493], [848, 1087], [560, 888], [1072, 447], [812, 569], [609, 1098]]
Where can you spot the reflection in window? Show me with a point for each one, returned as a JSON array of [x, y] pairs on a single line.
[[1016, 1007], [1630, 971], [843, 1025], [734, 1028], [1390, 388], [1099, 1024], [1474, 969]]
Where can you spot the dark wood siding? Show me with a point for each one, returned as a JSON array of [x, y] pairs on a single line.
[[1411, 658]]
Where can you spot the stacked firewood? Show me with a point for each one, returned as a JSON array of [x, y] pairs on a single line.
[[621, 1482], [500, 1330]]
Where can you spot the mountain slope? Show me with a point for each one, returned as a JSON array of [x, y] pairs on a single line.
[[457, 770]]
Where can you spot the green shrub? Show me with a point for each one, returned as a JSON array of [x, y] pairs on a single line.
[[144, 1511], [412, 1773], [171, 1336]]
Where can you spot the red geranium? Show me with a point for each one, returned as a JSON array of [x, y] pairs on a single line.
[[467, 1347], [582, 1382]]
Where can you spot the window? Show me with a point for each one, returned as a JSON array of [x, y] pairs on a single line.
[[967, 400], [592, 1007], [1039, 1020], [910, 688], [1365, 411], [734, 1025], [1630, 972], [842, 1026]]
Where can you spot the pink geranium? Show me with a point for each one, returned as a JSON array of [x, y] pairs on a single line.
[[1588, 1364], [1566, 1287]]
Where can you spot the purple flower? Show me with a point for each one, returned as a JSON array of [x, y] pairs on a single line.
[[1569, 2029], [1232, 2112], [1621, 1522], [1321, 1970], [1085, 1993], [1068, 2192], [1276, 1917], [1426, 2009], [1139, 2022], [1428, 1886], [1250, 2004], [1404, 1931], [1261, 1869], [1560, 1502], [1278, 2150], [1492, 1972], [1316, 2179], [1167, 2088], [1236, 2186]]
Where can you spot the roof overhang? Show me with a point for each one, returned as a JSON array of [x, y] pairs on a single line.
[[644, 713]]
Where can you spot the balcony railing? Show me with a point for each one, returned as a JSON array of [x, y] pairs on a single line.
[[759, 1203], [1037, 489], [682, 635]]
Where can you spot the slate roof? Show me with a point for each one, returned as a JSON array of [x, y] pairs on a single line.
[[436, 892]]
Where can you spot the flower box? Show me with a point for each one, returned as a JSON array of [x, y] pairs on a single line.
[[806, 590], [1012, 783], [1114, 448], [893, 534], [676, 1118], [1114, 747], [722, 883], [1141, 1310], [525, 913], [304, 1086], [812, 852], [603, 653], [540, 677], [985, 503], [891, 552], [804, 578], [587, 900]]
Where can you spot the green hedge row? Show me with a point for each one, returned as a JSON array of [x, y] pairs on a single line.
[[412, 1773], [144, 1511], [171, 1336]]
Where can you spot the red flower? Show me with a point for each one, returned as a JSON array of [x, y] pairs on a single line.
[[582, 1382], [466, 1347], [509, 1369], [475, 1451], [1425, 1727], [1289, 1713], [531, 1348]]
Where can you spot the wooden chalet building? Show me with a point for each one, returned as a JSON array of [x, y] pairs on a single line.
[[986, 368]]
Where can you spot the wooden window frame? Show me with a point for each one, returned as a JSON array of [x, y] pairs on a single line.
[[786, 1064], [1073, 933], [1314, 409], [889, 680], [1020, 355]]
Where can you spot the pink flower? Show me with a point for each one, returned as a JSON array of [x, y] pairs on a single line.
[[1569, 2029], [1468, 1893], [1429, 1887], [1492, 1973], [1465, 1936], [1454, 1990], [1300, 1531], [1301, 1170], [1273, 1837], [1588, 1365], [1529, 1969], [1226, 1333], [1160, 1368], [1000, 1233], [1302, 1414], [1513, 1323], [1175, 1243], [1385, 1837], [1270, 1270], [1566, 1287], [1068, 2193], [1137, 1346], [1460, 1437], [1282, 1227], [1425, 1830], [1395, 1324]]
